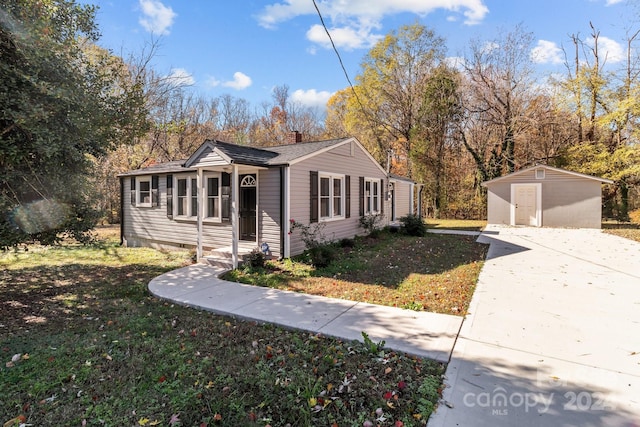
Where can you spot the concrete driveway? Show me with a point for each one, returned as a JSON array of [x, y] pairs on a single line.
[[552, 337]]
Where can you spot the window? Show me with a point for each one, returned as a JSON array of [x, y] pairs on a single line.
[[212, 210], [372, 196], [186, 198], [331, 196], [144, 191]]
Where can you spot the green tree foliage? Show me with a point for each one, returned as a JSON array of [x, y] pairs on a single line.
[[63, 101], [387, 102]]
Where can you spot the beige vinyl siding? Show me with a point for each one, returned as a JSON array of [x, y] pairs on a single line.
[[568, 200], [151, 226], [269, 206], [402, 190], [210, 158], [338, 161]]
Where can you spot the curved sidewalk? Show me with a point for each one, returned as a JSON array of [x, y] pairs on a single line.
[[423, 334]]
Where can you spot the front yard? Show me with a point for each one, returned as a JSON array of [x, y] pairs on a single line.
[[434, 273], [83, 343]]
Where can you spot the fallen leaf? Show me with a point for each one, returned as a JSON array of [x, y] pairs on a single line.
[[175, 418], [143, 421], [388, 370], [15, 421]]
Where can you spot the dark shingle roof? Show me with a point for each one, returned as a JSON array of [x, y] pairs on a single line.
[[288, 153], [245, 155], [167, 167]]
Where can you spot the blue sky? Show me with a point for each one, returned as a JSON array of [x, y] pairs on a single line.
[[246, 47]]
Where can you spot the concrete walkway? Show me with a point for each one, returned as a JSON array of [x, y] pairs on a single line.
[[552, 337], [420, 333]]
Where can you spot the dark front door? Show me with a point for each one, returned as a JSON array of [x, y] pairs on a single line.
[[248, 201]]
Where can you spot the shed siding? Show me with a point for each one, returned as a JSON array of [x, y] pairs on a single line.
[[269, 216], [567, 200], [340, 161]]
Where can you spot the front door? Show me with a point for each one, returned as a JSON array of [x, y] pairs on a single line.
[[248, 202], [526, 205]]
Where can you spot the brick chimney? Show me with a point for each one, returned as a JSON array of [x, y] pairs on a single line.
[[294, 137]]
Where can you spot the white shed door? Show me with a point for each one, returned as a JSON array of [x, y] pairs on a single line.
[[525, 201]]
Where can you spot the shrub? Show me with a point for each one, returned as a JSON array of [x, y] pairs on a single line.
[[371, 223], [322, 256], [634, 216], [347, 243], [255, 258], [413, 225]]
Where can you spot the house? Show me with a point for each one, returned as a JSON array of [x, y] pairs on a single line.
[[240, 197], [544, 196]]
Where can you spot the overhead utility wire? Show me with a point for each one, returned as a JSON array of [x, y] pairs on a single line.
[[335, 49]]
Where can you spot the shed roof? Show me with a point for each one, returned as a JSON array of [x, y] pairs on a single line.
[[550, 168]]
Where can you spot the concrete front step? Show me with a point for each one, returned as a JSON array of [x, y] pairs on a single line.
[[223, 257]]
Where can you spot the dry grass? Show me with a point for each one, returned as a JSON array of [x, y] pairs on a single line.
[[435, 273], [627, 230]]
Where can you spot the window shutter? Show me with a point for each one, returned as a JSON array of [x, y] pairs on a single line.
[[381, 197], [347, 195], [226, 196], [361, 196], [133, 190], [155, 195], [170, 196], [313, 197]]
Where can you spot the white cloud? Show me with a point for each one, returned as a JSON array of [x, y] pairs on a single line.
[[608, 48], [352, 23], [157, 18], [547, 52], [311, 98], [347, 38], [612, 2], [456, 62], [240, 81], [181, 77]]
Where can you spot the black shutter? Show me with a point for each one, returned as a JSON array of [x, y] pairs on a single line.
[[381, 196], [361, 196], [347, 195], [155, 194], [313, 197], [170, 196], [226, 196], [133, 190]]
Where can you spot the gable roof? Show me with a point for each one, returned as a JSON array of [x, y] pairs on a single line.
[[549, 168], [226, 152], [232, 153]]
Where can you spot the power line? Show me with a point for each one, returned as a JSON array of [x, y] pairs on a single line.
[[335, 49]]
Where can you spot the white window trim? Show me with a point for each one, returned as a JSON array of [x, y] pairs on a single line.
[[190, 215], [205, 191], [368, 209], [331, 177], [139, 180]]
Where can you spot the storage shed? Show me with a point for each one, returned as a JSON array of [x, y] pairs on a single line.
[[544, 196]]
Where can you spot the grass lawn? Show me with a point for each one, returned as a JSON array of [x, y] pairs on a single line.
[[434, 273], [82, 342], [627, 230], [457, 224]]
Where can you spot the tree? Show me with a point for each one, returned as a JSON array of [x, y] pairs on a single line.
[[441, 113], [497, 90], [62, 101], [387, 101]]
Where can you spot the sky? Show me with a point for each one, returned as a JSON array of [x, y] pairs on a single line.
[[245, 48]]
